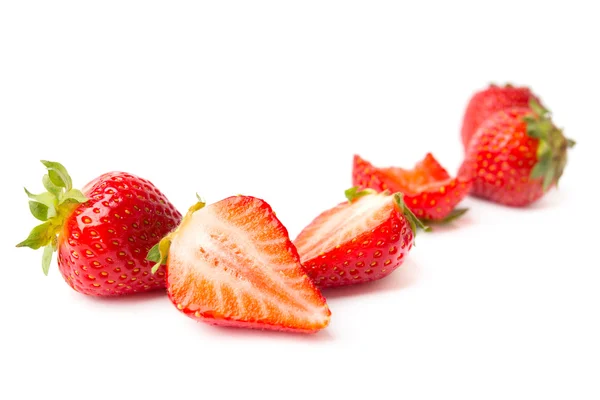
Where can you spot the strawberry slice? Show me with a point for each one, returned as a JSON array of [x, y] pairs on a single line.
[[428, 189], [231, 263], [358, 241]]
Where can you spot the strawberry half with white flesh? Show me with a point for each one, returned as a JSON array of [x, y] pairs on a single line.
[[361, 240], [232, 263]]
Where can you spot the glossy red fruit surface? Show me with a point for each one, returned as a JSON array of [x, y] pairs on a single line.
[[358, 241], [516, 156], [103, 246], [103, 233], [488, 101], [429, 191]]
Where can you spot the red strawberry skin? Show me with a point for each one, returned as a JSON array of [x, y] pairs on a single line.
[[232, 264], [501, 157], [428, 189], [373, 254], [104, 242], [486, 102]]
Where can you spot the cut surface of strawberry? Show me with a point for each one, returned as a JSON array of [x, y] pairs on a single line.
[[429, 191], [358, 241], [231, 263]]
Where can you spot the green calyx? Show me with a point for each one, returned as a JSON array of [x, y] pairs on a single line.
[[412, 219], [552, 147], [354, 193], [159, 253], [451, 217], [52, 208]]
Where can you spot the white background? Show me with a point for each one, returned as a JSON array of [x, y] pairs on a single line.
[[272, 99]]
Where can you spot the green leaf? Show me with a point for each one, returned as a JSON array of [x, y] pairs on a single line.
[[412, 219], [454, 215], [57, 179], [58, 174], [545, 127], [544, 150], [46, 199], [51, 187], [38, 237], [532, 132], [39, 210], [548, 179], [73, 196], [354, 193], [154, 254], [537, 107], [47, 258], [163, 253], [552, 146], [541, 168], [528, 118]]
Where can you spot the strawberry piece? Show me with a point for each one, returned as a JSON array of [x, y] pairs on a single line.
[[103, 233], [428, 189], [231, 263], [487, 102], [358, 241], [516, 155]]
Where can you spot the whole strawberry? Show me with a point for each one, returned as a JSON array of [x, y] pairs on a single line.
[[361, 240], [486, 102], [516, 156], [102, 234]]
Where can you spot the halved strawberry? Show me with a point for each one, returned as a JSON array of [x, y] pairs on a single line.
[[428, 189], [361, 240], [232, 263]]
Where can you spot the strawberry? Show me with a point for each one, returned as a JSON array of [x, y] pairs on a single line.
[[231, 263], [428, 190], [103, 233], [361, 240], [486, 102], [516, 155]]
